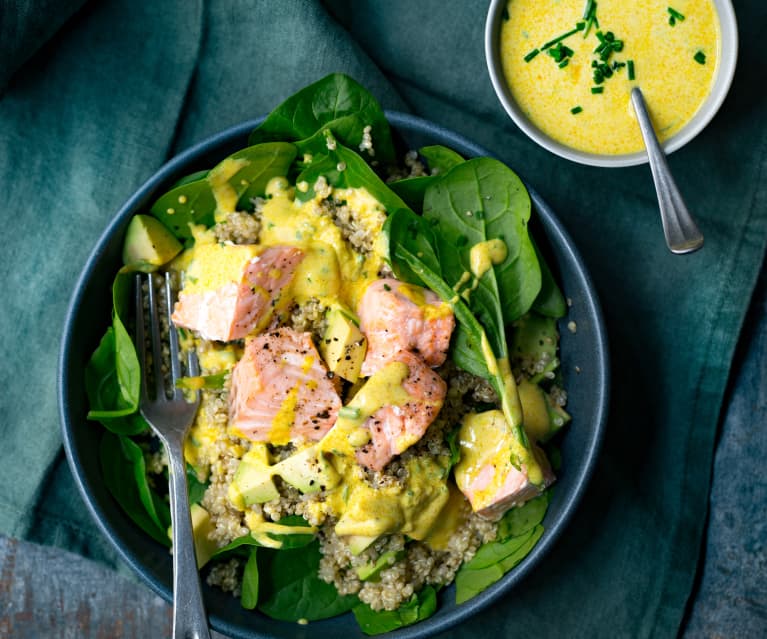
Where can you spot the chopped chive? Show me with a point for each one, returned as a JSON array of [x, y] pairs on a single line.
[[349, 412], [674, 16], [597, 89], [700, 57], [564, 63], [630, 64], [589, 9], [551, 43], [576, 110], [532, 54]]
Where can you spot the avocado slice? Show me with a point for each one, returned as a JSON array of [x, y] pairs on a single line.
[[542, 417], [202, 526], [308, 470], [372, 570], [358, 543], [148, 244], [252, 482], [343, 346]]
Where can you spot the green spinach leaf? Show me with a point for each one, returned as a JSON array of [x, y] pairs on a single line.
[[440, 160], [196, 487], [291, 588], [491, 562], [293, 540], [519, 521], [550, 301], [479, 200], [250, 579], [343, 168], [335, 102], [113, 374], [244, 174], [419, 607], [124, 471]]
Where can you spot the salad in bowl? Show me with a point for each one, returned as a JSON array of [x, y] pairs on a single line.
[[381, 389]]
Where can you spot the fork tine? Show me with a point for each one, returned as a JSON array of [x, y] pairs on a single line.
[[154, 320], [140, 336], [192, 364], [175, 362]]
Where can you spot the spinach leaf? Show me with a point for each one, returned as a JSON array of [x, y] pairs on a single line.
[[335, 102], [124, 471], [343, 168], [519, 521], [491, 562], [420, 606], [475, 201], [250, 578], [291, 589], [241, 176], [237, 547], [412, 189], [113, 374], [126, 360], [192, 177], [550, 301], [293, 540], [196, 487], [440, 158]]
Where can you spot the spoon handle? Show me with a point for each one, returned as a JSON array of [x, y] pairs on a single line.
[[682, 234]]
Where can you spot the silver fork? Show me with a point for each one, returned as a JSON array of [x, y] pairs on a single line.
[[170, 417]]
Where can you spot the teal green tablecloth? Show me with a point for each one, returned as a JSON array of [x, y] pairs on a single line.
[[94, 96]]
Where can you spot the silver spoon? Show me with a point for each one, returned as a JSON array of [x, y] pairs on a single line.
[[682, 234]]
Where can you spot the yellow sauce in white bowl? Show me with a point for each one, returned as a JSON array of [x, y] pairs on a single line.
[[680, 52]]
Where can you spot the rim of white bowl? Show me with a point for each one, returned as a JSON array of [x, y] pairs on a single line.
[[728, 57]]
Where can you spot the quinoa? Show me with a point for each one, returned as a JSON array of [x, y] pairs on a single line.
[[217, 454]]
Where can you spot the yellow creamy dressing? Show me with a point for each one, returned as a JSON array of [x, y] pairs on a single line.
[[383, 388], [331, 268], [673, 83], [223, 192]]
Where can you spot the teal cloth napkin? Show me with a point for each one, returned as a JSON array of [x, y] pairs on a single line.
[[120, 86]]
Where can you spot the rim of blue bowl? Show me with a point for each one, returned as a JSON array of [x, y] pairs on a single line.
[[555, 233]]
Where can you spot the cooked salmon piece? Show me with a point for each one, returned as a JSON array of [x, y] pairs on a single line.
[[395, 427], [485, 473], [281, 390], [395, 316], [230, 290]]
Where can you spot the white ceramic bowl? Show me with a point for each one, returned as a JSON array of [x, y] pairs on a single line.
[[728, 56]]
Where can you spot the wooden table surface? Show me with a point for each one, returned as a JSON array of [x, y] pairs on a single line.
[[47, 592]]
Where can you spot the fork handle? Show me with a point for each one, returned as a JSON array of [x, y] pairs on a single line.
[[189, 619]]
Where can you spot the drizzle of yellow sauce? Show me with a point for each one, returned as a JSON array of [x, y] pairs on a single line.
[[224, 193], [383, 388], [483, 255], [332, 269], [485, 440], [279, 433], [673, 83]]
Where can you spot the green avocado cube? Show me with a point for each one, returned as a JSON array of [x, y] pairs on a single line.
[[148, 244]]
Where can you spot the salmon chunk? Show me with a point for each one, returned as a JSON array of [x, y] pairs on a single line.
[[281, 390], [485, 473], [395, 316], [396, 426], [230, 290]]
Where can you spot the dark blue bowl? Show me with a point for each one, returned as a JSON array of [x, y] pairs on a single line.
[[584, 364]]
